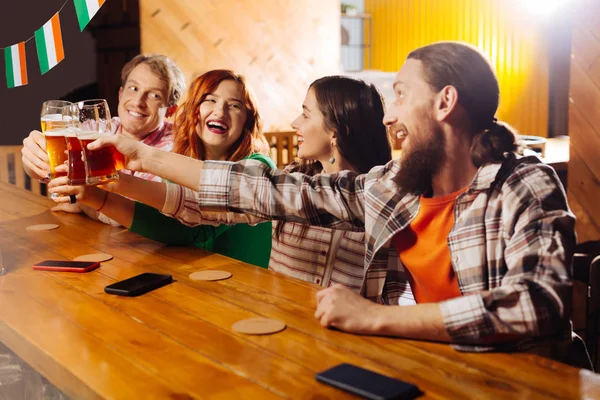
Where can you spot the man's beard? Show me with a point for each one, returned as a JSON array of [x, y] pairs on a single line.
[[421, 160]]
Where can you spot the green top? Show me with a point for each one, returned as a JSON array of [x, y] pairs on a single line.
[[251, 244]]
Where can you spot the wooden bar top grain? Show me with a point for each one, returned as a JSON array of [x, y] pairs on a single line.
[[177, 342]]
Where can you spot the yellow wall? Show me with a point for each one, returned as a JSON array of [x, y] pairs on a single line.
[[502, 29]]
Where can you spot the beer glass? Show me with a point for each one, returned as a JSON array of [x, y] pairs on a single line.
[[94, 121], [76, 174], [58, 117]]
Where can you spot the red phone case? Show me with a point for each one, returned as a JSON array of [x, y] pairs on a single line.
[[66, 266]]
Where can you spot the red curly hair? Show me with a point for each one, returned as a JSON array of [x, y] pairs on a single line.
[[186, 139]]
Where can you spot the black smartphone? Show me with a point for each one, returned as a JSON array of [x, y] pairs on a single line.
[[368, 384], [66, 266], [139, 284]]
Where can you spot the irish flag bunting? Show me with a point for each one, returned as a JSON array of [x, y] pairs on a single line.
[[48, 40], [86, 9], [16, 67]]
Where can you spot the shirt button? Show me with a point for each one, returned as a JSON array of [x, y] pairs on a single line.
[[318, 281], [323, 252]]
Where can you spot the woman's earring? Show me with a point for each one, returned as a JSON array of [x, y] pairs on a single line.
[[332, 158]]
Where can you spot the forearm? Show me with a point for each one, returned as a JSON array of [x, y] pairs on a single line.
[[97, 216], [341, 308], [114, 206], [421, 321], [174, 206], [334, 201], [151, 223], [141, 190], [173, 167]]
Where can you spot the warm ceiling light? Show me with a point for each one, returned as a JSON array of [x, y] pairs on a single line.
[[544, 7]]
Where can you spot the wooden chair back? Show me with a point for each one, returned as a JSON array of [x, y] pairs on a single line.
[[11, 170], [283, 146], [586, 303]]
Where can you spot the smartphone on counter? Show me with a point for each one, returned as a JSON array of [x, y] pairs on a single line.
[[139, 284], [368, 384], [66, 266]]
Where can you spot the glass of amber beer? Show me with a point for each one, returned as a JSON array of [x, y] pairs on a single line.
[[101, 165], [56, 118], [76, 174]]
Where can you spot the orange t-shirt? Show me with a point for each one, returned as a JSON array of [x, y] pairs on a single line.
[[423, 250]]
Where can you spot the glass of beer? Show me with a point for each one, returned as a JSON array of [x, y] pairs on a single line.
[[57, 117], [101, 165], [76, 174]]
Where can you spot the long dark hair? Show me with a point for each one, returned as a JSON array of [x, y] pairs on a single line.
[[354, 110], [464, 67]]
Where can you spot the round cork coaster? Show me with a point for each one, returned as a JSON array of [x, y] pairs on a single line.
[[42, 227], [210, 275], [98, 257], [258, 326]]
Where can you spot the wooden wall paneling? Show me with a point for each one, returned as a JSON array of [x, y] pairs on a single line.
[[589, 15], [585, 226], [586, 141], [584, 93], [585, 187], [585, 47], [584, 121], [279, 46], [594, 71]]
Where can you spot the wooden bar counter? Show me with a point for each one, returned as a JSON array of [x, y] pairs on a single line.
[[177, 343]]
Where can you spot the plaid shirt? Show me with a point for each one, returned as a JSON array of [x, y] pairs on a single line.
[[315, 254], [510, 246]]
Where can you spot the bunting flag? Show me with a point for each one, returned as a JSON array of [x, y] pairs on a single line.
[[86, 9], [16, 66], [48, 40]]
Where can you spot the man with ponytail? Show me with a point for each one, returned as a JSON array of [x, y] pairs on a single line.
[[474, 242]]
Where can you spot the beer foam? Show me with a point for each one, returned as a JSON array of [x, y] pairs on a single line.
[[60, 132], [56, 118], [88, 135]]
